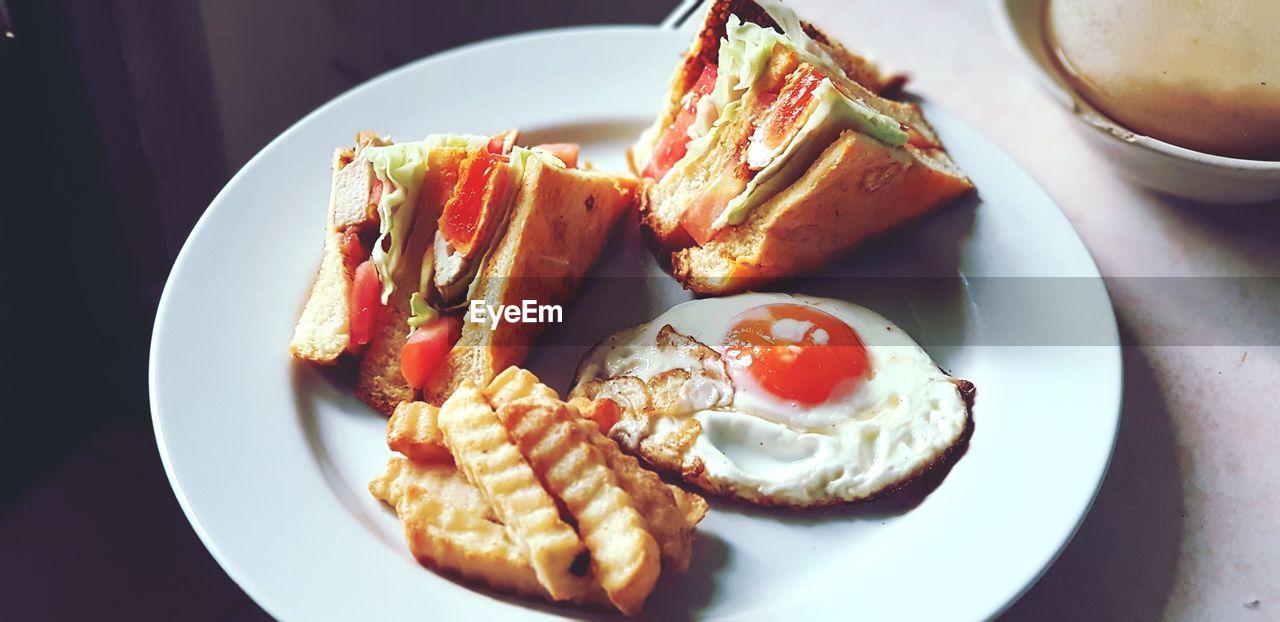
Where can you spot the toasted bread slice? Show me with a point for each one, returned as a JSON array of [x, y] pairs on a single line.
[[560, 222], [858, 188], [663, 202], [854, 189], [379, 382], [321, 335]]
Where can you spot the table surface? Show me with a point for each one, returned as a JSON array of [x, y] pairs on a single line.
[[1187, 524]]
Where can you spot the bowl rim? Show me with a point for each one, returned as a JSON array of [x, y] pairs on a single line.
[[1091, 116]]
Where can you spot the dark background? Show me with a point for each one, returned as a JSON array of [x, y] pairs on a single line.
[[121, 120]]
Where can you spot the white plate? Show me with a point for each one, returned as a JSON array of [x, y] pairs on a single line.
[[270, 458]]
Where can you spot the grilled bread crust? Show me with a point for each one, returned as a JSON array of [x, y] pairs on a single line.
[[857, 189], [321, 334]]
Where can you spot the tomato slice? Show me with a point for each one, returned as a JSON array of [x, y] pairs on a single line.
[[366, 302], [674, 142], [785, 115], [426, 348], [698, 218], [795, 352], [352, 249], [781, 114], [502, 142], [481, 175], [565, 152], [495, 144], [916, 139], [605, 413]]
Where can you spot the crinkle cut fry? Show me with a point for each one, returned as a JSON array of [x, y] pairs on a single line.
[[625, 557], [484, 451], [414, 431], [448, 525], [670, 513], [671, 525], [514, 384], [604, 412]]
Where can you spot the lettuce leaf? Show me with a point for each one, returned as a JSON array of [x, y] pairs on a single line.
[[798, 41], [834, 113], [401, 168], [420, 312]]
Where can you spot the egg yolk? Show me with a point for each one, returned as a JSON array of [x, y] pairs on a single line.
[[796, 352]]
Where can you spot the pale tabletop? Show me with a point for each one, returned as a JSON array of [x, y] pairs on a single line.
[[1187, 524]]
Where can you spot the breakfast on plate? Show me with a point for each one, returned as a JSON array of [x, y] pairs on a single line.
[[511, 487], [416, 230], [775, 153], [778, 400]]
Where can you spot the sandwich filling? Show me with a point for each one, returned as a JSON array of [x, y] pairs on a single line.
[[382, 188], [399, 170], [757, 119], [474, 218]]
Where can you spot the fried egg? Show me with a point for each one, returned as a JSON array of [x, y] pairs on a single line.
[[778, 399]]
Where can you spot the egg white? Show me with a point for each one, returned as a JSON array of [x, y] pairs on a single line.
[[902, 419]]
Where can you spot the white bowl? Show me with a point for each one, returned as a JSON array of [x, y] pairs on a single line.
[[1144, 160]]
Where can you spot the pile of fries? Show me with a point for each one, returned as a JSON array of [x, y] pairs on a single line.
[[511, 487]]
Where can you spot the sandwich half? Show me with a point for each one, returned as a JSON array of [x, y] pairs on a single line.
[[420, 232], [777, 151]]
